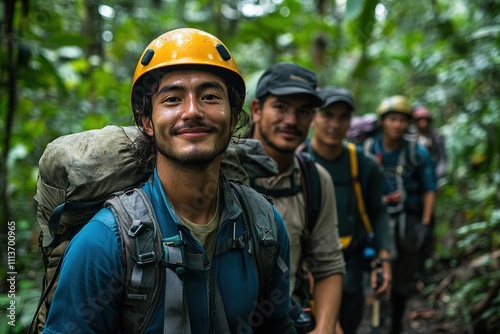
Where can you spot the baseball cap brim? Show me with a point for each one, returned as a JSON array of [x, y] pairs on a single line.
[[335, 99], [316, 99], [332, 94]]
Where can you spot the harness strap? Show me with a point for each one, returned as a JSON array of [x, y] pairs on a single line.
[[367, 147], [357, 187], [399, 183]]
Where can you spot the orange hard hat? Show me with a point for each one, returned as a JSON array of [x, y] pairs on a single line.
[[192, 48]]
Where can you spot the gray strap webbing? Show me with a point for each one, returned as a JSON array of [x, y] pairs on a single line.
[[174, 255], [282, 264], [221, 313], [176, 318], [195, 261], [136, 277], [141, 241]]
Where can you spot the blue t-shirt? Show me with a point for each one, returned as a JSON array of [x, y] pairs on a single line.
[[415, 167], [89, 292]]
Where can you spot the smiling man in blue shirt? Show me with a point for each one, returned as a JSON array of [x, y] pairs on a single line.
[[187, 100]]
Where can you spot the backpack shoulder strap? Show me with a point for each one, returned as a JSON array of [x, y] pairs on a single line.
[[311, 187], [412, 154], [368, 144], [138, 226], [353, 160], [258, 217]]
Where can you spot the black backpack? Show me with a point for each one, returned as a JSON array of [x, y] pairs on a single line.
[[311, 190], [310, 187]]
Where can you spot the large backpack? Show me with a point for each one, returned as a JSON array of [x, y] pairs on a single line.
[[82, 172], [362, 127], [77, 173]]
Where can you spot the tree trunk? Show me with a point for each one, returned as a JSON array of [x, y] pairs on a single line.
[[11, 89]]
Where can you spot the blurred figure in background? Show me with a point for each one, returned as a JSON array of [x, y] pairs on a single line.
[[431, 139], [409, 188], [428, 137]]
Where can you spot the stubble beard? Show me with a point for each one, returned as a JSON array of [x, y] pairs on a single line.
[[270, 143], [196, 159]]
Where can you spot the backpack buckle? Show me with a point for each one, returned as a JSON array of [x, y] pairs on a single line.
[[136, 229], [146, 258], [173, 252]]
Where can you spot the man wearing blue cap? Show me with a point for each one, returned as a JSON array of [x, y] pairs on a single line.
[[282, 111]]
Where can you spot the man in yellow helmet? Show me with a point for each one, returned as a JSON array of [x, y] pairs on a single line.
[[409, 189], [187, 100]]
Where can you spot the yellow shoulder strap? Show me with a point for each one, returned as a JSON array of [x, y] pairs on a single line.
[[357, 186]]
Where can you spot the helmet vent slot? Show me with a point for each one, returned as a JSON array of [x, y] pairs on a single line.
[[148, 55], [223, 52]]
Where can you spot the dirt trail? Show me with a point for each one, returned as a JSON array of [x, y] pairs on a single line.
[[421, 318]]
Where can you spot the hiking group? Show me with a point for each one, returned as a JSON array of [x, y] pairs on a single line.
[[204, 218]]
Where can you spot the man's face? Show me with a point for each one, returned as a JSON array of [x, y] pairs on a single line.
[[282, 122], [191, 119], [330, 124], [394, 125], [422, 124]]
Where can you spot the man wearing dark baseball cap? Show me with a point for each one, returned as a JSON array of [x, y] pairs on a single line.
[[282, 110], [332, 95], [330, 125], [286, 79]]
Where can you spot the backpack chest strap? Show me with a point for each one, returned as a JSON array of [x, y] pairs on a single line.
[[176, 318], [281, 192], [232, 243], [176, 258]]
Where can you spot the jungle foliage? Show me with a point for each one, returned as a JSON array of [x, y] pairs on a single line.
[[66, 66]]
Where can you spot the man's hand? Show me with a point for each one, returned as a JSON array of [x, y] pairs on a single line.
[[381, 278], [422, 232], [393, 197]]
